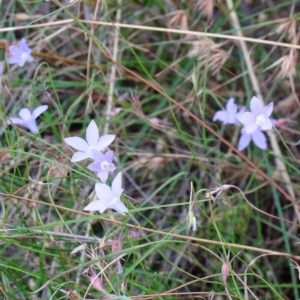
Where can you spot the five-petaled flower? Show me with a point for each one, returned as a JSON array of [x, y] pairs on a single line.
[[258, 117], [20, 54], [93, 142], [102, 164], [108, 197], [27, 119], [229, 116], [257, 136]]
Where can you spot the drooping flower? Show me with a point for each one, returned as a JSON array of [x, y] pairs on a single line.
[[108, 197], [257, 136], [229, 116], [102, 164], [93, 142], [20, 54], [258, 117], [27, 119]]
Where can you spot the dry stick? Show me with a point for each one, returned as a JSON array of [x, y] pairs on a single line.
[[274, 143], [174, 235], [149, 28], [112, 77]]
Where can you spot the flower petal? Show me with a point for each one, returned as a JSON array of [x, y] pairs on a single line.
[[109, 156], [104, 192], [31, 125], [256, 106], [250, 128], [16, 121], [103, 174], [98, 156], [77, 143], [259, 139], [119, 207], [105, 141], [92, 134], [244, 141], [24, 47], [268, 110], [222, 116], [25, 114], [117, 185], [94, 167], [231, 107], [267, 125], [246, 118], [78, 156], [39, 110], [96, 205]]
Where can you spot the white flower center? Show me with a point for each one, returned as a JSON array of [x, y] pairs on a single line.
[[24, 56], [104, 165], [260, 120]]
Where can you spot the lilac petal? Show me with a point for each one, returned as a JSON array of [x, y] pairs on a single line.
[[117, 185], [14, 60], [256, 106], [77, 143], [268, 110], [231, 107], [259, 139], [244, 141], [221, 115], [78, 156], [111, 168], [98, 156], [96, 205], [119, 207], [94, 167], [109, 156], [24, 47], [31, 125], [104, 192], [25, 114], [16, 121], [39, 110], [250, 128], [105, 141], [103, 175], [267, 125], [1, 69], [246, 118], [92, 134]]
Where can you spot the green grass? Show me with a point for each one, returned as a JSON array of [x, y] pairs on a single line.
[[43, 193]]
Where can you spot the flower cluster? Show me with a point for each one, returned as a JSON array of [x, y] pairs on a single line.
[[93, 148], [255, 122]]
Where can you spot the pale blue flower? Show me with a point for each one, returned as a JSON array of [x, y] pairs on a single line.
[[258, 117], [20, 54], [27, 119], [102, 164], [93, 142], [108, 197], [229, 116]]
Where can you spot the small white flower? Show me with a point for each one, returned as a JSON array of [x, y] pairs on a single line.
[[93, 142], [27, 119], [108, 197], [259, 117]]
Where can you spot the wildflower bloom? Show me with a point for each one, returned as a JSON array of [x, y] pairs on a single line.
[[27, 119], [102, 164], [229, 116], [258, 117], [20, 54], [108, 197], [257, 136], [93, 142]]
